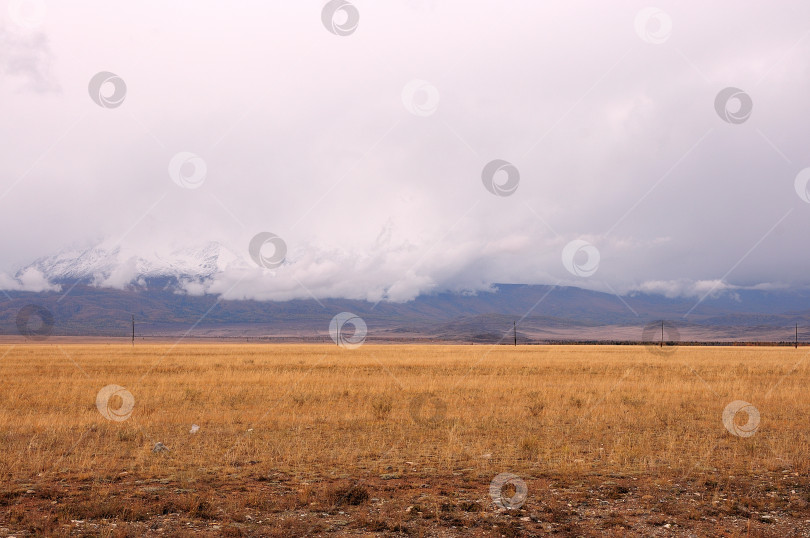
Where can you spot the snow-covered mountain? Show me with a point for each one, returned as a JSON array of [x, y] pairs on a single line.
[[98, 289], [114, 266], [95, 291]]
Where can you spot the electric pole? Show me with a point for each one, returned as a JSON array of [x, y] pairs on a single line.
[[514, 327], [133, 330], [662, 333], [796, 344]]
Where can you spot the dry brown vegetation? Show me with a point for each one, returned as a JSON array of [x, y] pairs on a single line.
[[310, 439]]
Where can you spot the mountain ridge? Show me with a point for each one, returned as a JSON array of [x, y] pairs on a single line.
[[540, 311], [103, 286]]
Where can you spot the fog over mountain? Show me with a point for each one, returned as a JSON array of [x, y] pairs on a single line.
[[636, 151]]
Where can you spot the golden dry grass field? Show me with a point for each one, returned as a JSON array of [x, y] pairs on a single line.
[[402, 440]]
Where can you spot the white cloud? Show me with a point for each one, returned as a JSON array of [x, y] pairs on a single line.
[[689, 288], [29, 280], [304, 135], [26, 60]]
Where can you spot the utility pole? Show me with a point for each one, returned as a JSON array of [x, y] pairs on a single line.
[[796, 344], [662, 333], [133, 330], [514, 327]]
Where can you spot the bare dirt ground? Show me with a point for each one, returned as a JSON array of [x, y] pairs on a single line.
[[410, 504], [402, 440]]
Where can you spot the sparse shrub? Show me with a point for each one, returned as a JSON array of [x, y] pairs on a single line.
[[192, 395], [530, 447], [353, 495], [126, 435], [382, 408], [535, 408]]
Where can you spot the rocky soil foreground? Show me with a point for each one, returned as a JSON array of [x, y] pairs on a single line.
[[409, 503]]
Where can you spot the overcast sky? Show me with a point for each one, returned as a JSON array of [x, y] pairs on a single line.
[[363, 147]]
